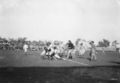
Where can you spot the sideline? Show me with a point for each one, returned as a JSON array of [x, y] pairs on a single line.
[[76, 62]]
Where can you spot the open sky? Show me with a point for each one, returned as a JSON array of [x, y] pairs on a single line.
[[60, 19]]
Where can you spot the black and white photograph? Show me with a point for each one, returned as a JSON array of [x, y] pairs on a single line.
[[59, 41]]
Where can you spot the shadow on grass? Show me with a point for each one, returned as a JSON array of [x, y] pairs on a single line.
[[115, 62], [58, 74]]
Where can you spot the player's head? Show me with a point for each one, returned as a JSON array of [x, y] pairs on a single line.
[[92, 42]]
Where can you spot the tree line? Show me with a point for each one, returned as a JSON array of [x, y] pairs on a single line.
[[19, 42]]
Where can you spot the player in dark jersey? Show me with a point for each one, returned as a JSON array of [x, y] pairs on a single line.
[[70, 45]]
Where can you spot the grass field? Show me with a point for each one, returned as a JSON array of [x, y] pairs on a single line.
[[33, 58], [19, 67]]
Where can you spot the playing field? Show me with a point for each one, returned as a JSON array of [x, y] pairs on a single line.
[[19, 67], [33, 58]]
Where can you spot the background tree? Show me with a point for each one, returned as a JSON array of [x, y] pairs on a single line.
[[20, 42]]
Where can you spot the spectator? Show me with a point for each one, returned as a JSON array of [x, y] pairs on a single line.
[[25, 47]]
